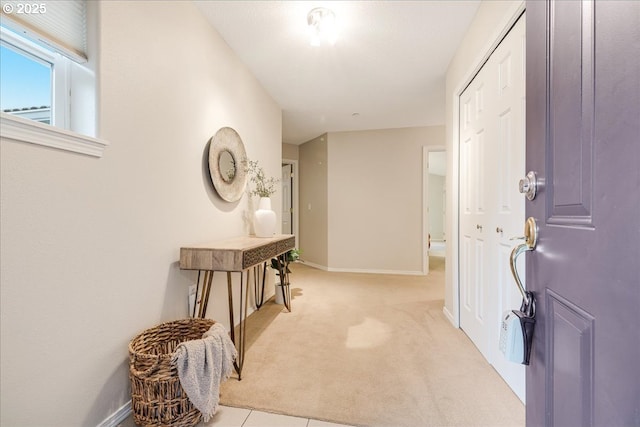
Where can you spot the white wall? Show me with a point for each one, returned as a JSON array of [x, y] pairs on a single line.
[[89, 247], [375, 206], [492, 21]]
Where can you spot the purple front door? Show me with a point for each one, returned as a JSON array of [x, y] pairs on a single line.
[[583, 140]]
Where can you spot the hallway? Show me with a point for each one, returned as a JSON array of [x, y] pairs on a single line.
[[368, 349]]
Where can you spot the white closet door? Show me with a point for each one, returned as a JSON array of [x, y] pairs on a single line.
[[510, 204], [492, 148], [477, 192]]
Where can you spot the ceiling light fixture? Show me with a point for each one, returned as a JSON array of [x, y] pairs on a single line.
[[322, 26]]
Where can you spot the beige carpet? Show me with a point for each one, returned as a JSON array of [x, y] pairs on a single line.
[[370, 350]]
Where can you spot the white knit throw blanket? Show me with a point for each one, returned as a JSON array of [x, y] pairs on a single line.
[[202, 365]]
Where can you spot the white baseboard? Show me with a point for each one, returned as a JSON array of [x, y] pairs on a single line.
[[450, 317], [363, 270], [367, 271], [318, 266], [117, 417]]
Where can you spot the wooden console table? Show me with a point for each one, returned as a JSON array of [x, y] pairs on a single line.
[[239, 255]]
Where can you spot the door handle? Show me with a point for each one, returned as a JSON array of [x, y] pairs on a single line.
[[530, 233], [530, 242], [519, 324]]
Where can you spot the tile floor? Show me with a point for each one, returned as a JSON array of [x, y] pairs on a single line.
[[237, 417]]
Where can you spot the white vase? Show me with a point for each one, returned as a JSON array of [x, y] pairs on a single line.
[[264, 220], [279, 299]]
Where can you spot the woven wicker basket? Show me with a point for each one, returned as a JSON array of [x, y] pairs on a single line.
[[157, 398]]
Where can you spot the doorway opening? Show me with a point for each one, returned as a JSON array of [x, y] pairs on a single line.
[[434, 207], [437, 207], [289, 182]]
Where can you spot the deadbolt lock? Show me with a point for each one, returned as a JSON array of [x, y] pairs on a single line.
[[529, 185]]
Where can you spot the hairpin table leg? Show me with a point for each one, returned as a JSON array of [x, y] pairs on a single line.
[[204, 294], [257, 292]]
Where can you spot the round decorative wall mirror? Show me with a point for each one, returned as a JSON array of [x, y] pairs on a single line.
[[226, 157], [227, 166]]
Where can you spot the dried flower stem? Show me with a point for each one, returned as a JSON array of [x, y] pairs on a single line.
[[264, 187]]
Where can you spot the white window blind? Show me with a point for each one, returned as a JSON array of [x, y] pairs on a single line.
[[60, 25]]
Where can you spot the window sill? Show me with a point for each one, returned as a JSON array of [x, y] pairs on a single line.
[[24, 130]]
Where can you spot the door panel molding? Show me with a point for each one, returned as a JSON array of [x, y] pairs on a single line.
[[478, 181], [571, 139], [505, 167], [570, 352], [479, 282]]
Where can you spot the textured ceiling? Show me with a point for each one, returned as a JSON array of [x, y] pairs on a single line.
[[388, 65]]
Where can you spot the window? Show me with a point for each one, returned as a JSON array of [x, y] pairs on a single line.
[[47, 85], [25, 81]]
